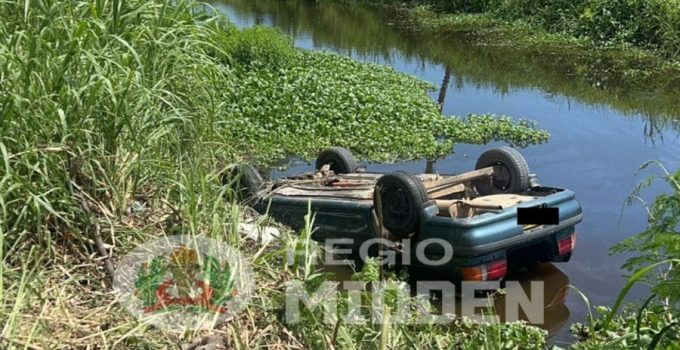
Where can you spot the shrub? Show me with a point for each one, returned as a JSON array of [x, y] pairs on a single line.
[[260, 46]]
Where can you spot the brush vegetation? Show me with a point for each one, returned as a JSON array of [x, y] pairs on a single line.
[[652, 25], [653, 323]]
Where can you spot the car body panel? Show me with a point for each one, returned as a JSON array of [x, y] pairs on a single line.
[[475, 240]]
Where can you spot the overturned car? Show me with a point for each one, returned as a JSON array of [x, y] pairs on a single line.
[[471, 226]]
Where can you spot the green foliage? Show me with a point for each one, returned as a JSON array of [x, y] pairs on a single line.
[[324, 100], [481, 129], [97, 103], [331, 100], [650, 24], [647, 24], [370, 272], [260, 46], [646, 326], [219, 278], [632, 329]]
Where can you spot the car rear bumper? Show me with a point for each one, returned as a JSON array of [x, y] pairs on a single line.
[[528, 237]]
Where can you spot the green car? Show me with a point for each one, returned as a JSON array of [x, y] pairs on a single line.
[[472, 226]]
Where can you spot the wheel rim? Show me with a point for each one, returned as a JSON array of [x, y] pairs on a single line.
[[396, 205], [502, 179]]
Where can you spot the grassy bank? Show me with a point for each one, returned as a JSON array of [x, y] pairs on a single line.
[[652, 25]]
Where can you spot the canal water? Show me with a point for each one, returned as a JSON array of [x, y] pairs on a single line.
[[599, 137]]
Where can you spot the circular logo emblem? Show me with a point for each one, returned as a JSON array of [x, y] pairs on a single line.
[[184, 282]]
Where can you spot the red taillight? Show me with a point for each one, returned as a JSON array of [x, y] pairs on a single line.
[[566, 244], [494, 270]]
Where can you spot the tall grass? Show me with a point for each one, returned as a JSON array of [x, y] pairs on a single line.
[[100, 103], [651, 326]]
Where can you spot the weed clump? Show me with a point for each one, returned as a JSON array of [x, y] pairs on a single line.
[[260, 46]]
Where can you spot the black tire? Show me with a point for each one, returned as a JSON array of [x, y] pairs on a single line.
[[400, 197], [245, 181], [513, 176], [340, 159]]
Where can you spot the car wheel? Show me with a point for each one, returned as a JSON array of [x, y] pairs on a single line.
[[340, 160], [245, 181], [399, 197], [512, 171]]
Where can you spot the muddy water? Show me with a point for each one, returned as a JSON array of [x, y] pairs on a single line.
[[599, 136]]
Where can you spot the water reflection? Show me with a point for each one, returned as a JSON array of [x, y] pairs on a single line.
[[441, 100], [555, 291]]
